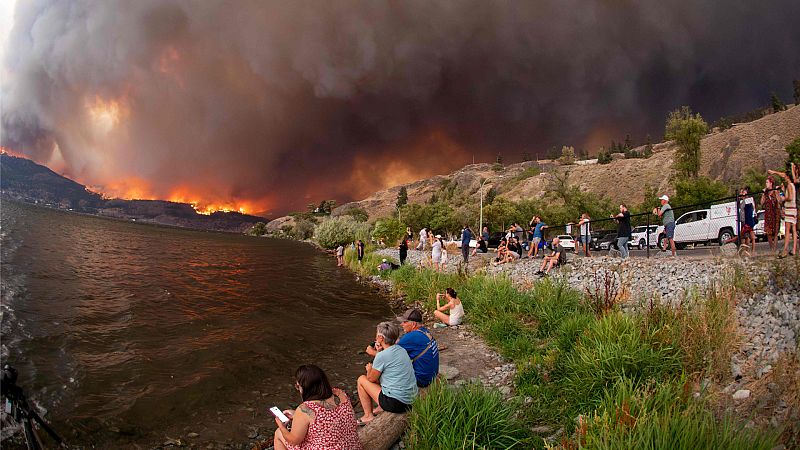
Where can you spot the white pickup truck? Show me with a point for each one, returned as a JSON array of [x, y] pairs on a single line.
[[716, 224]]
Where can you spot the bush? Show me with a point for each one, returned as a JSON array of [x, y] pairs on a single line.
[[340, 230], [469, 417], [389, 229], [697, 191], [259, 229], [303, 229]]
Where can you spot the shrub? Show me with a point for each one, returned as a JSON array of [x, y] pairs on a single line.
[[340, 230], [699, 191], [259, 229], [389, 229], [303, 229], [469, 417]]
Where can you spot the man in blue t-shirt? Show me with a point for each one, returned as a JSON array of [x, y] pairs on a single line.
[[421, 347], [538, 235]]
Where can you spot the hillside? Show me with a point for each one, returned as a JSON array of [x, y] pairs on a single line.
[[725, 155], [23, 180]]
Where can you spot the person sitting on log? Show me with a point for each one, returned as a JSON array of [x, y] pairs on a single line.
[[325, 419], [390, 379], [420, 346]]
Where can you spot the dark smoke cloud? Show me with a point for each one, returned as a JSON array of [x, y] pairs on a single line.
[[284, 103]]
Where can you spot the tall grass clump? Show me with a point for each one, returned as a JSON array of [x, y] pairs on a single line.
[[465, 418], [661, 417], [703, 330]]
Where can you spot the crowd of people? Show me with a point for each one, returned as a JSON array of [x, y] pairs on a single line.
[[405, 358]]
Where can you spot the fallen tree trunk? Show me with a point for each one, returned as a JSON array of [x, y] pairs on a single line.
[[383, 431]]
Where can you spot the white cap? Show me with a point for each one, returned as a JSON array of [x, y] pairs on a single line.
[[438, 236], [384, 259], [664, 197]]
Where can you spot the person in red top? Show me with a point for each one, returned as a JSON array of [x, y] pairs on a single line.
[[325, 419]]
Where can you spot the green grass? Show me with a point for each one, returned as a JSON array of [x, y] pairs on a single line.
[[663, 416], [572, 362], [470, 417]]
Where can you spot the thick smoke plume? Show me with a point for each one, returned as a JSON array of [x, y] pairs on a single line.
[[273, 105]]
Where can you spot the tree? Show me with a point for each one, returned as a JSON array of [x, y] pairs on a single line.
[[259, 229], [526, 156], [777, 104], [402, 197], [648, 148], [700, 191], [687, 130], [793, 149], [604, 157], [567, 155], [753, 179], [796, 89], [499, 159], [389, 229], [359, 214], [490, 195]]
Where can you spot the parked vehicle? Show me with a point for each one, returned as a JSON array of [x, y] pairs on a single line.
[[639, 237], [597, 236], [716, 224], [567, 241], [759, 228], [608, 242], [494, 239]]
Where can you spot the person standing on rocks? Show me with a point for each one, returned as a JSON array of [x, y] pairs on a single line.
[[436, 252], [360, 250], [747, 216], [789, 198], [420, 346], [668, 219], [485, 234], [340, 255], [772, 213], [623, 230], [538, 235], [466, 238], [403, 250], [584, 227], [423, 238]]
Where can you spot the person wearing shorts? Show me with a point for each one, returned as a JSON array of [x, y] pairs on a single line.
[[389, 380], [668, 219]]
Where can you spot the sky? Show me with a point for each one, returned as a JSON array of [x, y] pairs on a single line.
[[267, 106]]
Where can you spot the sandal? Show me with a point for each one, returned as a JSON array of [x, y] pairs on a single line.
[[361, 423]]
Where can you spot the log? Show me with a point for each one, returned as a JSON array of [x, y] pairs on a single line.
[[383, 431]]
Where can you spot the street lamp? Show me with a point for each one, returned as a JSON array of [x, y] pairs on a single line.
[[480, 227]]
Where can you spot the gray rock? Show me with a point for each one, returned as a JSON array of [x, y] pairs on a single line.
[[741, 394], [449, 372]]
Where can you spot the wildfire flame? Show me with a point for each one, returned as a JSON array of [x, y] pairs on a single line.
[[105, 114]]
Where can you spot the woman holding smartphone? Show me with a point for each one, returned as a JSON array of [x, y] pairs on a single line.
[[453, 305], [325, 419]]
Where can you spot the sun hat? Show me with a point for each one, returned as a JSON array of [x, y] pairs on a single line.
[[664, 197]]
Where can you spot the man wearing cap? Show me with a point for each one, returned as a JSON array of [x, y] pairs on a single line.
[[668, 219], [420, 346]]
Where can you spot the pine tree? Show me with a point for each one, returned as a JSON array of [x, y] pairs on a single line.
[[402, 197], [777, 104]]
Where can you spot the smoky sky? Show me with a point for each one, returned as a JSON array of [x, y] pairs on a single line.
[[289, 102]]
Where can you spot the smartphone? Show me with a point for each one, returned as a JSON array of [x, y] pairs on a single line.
[[279, 414]]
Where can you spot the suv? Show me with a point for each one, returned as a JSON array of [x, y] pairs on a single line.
[[716, 224], [596, 237], [608, 242], [639, 236]]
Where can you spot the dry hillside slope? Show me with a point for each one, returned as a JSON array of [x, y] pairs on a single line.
[[725, 156]]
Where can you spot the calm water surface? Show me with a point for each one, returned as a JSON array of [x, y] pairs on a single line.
[[128, 334]]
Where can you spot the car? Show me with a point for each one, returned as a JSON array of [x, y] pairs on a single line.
[[608, 242], [596, 237], [494, 239], [566, 241], [759, 228], [716, 224], [639, 236], [457, 242]]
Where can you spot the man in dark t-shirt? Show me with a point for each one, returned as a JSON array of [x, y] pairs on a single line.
[[556, 258], [623, 230]]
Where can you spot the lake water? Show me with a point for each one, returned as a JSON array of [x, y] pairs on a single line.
[[131, 334]]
